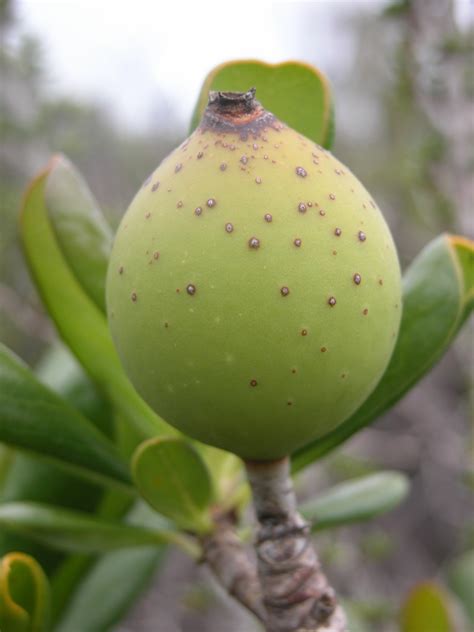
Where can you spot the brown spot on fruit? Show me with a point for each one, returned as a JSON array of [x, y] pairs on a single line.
[[338, 232], [244, 160], [253, 383], [297, 242], [322, 213], [323, 349], [268, 217], [223, 166], [178, 167], [284, 291], [211, 202], [121, 270], [304, 332], [332, 196], [134, 297], [200, 155], [300, 171], [357, 278], [302, 207], [365, 311], [361, 235], [258, 180], [254, 243], [156, 255], [179, 204], [229, 227], [332, 301], [198, 210], [191, 289], [155, 186]]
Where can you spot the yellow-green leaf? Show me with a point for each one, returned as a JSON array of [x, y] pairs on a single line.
[[24, 595], [426, 609], [297, 93]]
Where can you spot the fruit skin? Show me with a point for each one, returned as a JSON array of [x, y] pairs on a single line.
[[254, 290]]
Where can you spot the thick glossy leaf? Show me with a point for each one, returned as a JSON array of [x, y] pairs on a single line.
[[173, 478], [24, 595], [60, 371], [6, 459], [426, 608], [356, 500], [438, 296], [79, 532], [460, 576], [298, 94], [82, 233], [80, 322], [75, 568], [118, 578], [35, 419]]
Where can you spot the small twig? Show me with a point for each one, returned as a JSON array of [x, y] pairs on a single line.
[[296, 593], [229, 561]]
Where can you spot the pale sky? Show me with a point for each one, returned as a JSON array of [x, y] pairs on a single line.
[[142, 57]]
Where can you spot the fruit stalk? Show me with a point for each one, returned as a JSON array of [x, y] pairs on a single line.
[[296, 593]]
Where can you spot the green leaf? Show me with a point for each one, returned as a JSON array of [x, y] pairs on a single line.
[[79, 321], [109, 589], [24, 595], [356, 500], [426, 608], [61, 372], [438, 296], [78, 532], [173, 478], [82, 233], [34, 418], [460, 576], [298, 94]]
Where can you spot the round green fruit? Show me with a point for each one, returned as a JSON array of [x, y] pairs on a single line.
[[254, 288]]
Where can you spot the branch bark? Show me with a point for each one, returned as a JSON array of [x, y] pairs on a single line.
[[234, 570], [296, 593]]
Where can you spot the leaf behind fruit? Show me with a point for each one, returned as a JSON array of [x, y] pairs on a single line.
[[297, 93]]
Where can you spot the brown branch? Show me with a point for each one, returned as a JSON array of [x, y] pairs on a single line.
[[296, 593], [236, 573]]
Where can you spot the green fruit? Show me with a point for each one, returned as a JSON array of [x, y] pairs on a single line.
[[254, 289]]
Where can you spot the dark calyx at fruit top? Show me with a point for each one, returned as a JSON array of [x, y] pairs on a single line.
[[237, 112]]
